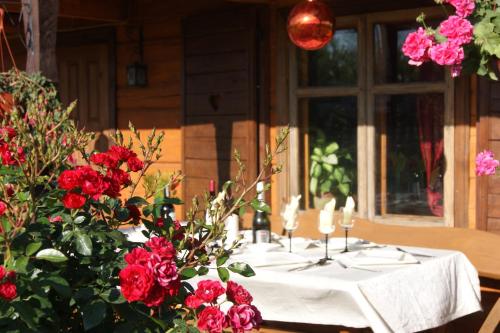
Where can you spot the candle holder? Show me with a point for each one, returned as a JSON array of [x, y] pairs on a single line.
[[346, 222], [289, 226]]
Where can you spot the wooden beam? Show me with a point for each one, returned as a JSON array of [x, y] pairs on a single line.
[[40, 28]]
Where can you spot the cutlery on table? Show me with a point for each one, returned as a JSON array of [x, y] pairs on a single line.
[[414, 253]]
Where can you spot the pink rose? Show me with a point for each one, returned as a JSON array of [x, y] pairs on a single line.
[[447, 53], [162, 247], [3, 208], [193, 302], [457, 30], [165, 270], [55, 219], [237, 294], [3, 272], [212, 320], [416, 47], [486, 164], [209, 290], [244, 318], [463, 8]]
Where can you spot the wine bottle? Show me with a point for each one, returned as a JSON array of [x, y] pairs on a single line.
[[261, 227], [167, 209]]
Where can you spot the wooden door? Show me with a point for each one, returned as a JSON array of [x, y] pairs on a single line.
[[84, 77], [220, 97], [488, 137]]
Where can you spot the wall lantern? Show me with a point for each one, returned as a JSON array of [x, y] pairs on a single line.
[[137, 73], [311, 24]]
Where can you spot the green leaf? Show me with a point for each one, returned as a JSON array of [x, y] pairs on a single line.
[[313, 185], [260, 206], [188, 273], [331, 148], [26, 313], [113, 296], [344, 189], [51, 255], [83, 244], [136, 201], [79, 219], [59, 284], [93, 314], [174, 201], [242, 269], [223, 273], [317, 151], [32, 248], [20, 264], [203, 270], [222, 259], [122, 214]]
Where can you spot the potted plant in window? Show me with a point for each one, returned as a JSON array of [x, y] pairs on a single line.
[[330, 175]]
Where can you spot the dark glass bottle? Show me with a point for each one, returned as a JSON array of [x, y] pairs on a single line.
[[261, 226], [167, 209]]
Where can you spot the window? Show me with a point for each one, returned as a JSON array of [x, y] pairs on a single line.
[[372, 126]]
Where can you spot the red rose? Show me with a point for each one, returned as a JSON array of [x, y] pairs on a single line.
[[162, 247], [3, 208], [136, 282], [244, 318], [113, 187], [7, 133], [73, 200], [209, 290], [3, 272], [193, 302], [133, 212], [212, 320], [138, 256], [237, 294], [12, 155], [11, 275], [160, 222], [8, 291], [69, 179], [92, 182], [121, 153], [135, 164], [104, 159], [9, 190], [155, 297], [119, 176]]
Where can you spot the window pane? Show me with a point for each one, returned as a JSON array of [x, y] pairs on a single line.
[[334, 65], [391, 65], [410, 154], [328, 149]]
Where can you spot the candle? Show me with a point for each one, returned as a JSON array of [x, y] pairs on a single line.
[[290, 213], [348, 210], [326, 225]]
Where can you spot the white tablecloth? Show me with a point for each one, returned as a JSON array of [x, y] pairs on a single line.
[[406, 298]]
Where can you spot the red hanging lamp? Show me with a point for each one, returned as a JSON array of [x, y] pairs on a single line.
[[311, 24]]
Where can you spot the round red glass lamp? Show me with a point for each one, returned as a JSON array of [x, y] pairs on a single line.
[[311, 24]]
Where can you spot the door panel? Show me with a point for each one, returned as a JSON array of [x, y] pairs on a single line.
[[220, 103], [84, 77]]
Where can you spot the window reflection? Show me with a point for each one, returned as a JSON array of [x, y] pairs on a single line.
[[391, 65], [328, 149], [334, 65], [410, 154]]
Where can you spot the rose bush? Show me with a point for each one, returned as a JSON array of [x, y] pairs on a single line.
[[468, 39], [65, 266]]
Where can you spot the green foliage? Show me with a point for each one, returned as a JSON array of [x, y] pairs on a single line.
[[330, 168]]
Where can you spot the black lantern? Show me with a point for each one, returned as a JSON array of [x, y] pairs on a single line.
[[137, 73]]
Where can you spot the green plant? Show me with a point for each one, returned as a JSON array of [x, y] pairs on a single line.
[[330, 169], [63, 258]]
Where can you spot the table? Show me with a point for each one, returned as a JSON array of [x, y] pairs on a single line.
[[406, 298]]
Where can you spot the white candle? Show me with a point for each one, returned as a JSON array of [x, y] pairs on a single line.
[[291, 212], [326, 224], [348, 210]]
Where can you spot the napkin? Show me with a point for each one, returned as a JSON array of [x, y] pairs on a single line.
[[271, 259], [378, 257]]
